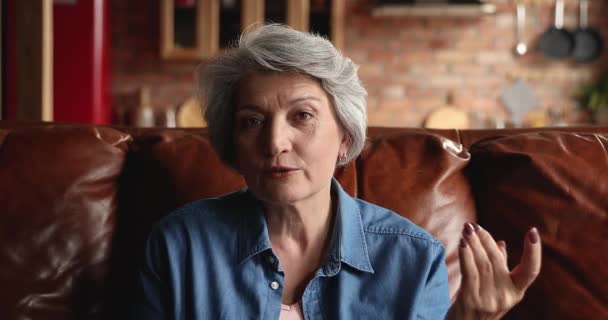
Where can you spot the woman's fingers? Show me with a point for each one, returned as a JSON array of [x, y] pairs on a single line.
[[488, 288], [468, 269], [483, 264], [503, 249], [529, 266], [493, 252]]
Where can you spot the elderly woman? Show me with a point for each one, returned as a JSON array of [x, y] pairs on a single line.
[[284, 109]]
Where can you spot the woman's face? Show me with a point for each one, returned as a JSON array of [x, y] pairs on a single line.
[[286, 136]]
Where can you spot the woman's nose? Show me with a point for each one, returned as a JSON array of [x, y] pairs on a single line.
[[277, 138]]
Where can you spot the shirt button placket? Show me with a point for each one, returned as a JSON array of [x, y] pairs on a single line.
[[274, 285], [275, 279]]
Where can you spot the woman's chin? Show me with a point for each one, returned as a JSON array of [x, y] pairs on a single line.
[[278, 194], [277, 187]]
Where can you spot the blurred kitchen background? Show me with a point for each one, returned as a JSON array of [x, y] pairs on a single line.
[[465, 64]]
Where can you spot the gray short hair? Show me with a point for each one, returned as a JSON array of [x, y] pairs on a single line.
[[278, 48]]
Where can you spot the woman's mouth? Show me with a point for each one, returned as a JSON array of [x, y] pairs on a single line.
[[281, 172]]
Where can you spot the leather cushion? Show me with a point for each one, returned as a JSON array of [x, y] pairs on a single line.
[[557, 182], [58, 196]]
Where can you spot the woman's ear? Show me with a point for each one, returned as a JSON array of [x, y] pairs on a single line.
[[345, 144]]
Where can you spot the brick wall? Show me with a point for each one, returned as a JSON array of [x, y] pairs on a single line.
[[409, 65]]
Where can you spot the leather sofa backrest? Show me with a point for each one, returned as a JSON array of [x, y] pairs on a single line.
[[558, 182], [77, 202]]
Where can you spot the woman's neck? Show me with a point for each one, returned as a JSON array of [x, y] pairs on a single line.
[[300, 234], [301, 226]]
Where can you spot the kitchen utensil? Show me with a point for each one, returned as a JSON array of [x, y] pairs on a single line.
[[557, 42], [587, 41], [521, 48], [519, 99]]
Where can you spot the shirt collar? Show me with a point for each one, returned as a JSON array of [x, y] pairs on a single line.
[[348, 238], [252, 235], [351, 247]]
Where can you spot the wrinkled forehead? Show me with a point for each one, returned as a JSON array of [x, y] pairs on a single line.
[[256, 88]]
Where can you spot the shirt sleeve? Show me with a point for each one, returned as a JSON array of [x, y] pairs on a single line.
[[152, 301], [435, 301]]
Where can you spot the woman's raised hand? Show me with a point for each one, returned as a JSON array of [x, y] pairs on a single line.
[[489, 289]]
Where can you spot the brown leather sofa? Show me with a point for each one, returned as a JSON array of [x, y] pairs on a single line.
[[76, 202]]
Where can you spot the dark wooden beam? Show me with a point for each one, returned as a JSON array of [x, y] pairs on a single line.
[[34, 59], [2, 53]]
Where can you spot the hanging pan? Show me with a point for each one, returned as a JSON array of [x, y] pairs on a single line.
[[587, 41], [557, 42]]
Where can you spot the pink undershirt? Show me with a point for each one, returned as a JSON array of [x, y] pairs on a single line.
[[292, 312]]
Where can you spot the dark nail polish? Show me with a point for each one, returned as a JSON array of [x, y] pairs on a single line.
[[477, 227], [468, 229], [533, 235]]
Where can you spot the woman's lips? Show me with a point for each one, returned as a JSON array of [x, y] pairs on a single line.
[[280, 172]]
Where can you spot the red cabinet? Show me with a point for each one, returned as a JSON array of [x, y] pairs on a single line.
[[81, 61]]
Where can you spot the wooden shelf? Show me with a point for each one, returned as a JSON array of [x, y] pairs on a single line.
[[434, 10]]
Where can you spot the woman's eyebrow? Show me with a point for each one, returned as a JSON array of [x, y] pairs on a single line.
[[300, 99]]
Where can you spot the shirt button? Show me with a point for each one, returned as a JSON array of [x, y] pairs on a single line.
[[274, 285], [271, 260]]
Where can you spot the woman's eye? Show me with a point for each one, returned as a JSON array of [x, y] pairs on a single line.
[[303, 115], [251, 122]]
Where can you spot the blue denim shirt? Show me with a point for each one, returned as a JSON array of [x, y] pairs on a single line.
[[213, 259]]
